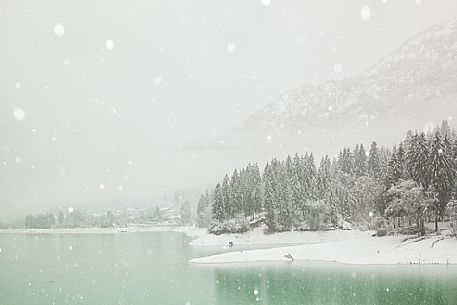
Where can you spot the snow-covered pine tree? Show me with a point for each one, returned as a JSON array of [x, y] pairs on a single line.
[[323, 177], [417, 160], [256, 190], [226, 196], [374, 162], [360, 162], [235, 194], [285, 211], [218, 207], [441, 175], [269, 196]]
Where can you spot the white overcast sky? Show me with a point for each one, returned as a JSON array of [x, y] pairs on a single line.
[[98, 97]]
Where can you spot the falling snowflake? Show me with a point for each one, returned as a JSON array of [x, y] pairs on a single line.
[[18, 85], [18, 159], [428, 127], [418, 2], [256, 292], [59, 30], [338, 67], [101, 186], [301, 39], [157, 80], [70, 209], [231, 47], [70, 248], [109, 44], [266, 2], [19, 114], [365, 13]]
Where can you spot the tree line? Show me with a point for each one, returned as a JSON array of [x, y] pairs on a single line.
[[406, 185]]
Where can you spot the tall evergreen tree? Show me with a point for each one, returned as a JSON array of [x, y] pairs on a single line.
[[441, 172], [374, 162], [360, 161], [218, 208], [269, 196]]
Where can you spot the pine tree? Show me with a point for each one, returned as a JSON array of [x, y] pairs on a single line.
[[445, 130], [185, 213], [269, 196], [417, 158], [226, 197], [440, 169], [235, 194], [60, 219], [285, 213], [323, 177], [360, 164], [374, 162], [256, 190], [218, 208]]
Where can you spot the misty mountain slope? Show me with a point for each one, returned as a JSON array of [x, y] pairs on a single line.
[[415, 84]]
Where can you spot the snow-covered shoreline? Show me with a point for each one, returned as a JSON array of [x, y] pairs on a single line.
[[258, 237], [359, 251], [190, 231]]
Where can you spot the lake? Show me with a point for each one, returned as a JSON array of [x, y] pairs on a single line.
[[152, 268]]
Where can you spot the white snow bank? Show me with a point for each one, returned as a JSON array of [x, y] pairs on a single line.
[[258, 237], [369, 250]]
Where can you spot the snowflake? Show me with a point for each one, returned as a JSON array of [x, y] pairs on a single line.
[[338, 67], [19, 114], [59, 30], [231, 47], [365, 13], [109, 44], [157, 80]]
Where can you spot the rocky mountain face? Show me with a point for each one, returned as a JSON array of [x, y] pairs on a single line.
[[413, 86]]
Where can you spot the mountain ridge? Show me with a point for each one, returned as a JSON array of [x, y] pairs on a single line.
[[419, 75]]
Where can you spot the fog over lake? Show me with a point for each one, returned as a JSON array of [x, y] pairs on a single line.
[[114, 104]]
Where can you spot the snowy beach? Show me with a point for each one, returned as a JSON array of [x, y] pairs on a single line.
[[365, 250], [258, 237]]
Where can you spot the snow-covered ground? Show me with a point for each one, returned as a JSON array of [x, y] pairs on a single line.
[[258, 237], [366, 250]]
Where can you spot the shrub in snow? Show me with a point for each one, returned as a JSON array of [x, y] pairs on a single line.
[[230, 226]]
